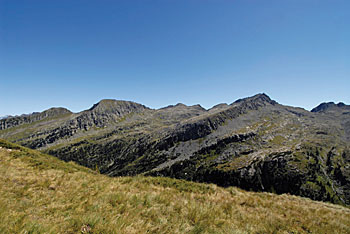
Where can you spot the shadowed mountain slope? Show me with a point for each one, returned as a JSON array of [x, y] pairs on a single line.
[[41, 194]]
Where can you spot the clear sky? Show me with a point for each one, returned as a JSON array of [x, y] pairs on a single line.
[[73, 53]]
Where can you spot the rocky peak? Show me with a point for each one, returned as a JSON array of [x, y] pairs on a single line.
[[183, 106], [13, 121], [177, 106], [104, 113], [117, 107], [220, 106], [198, 107], [260, 98], [180, 105], [181, 111], [325, 106], [55, 111]]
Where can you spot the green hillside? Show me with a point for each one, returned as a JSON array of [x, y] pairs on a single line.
[[41, 194]]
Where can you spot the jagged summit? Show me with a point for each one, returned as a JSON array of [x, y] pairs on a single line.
[[13, 121], [258, 98], [117, 105], [199, 107], [106, 112], [328, 106]]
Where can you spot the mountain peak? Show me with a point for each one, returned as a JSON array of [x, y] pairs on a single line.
[[199, 107], [56, 111], [117, 106], [220, 106], [12, 121], [327, 106], [180, 105], [260, 97], [104, 103]]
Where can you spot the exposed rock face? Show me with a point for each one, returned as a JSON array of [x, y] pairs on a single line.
[[105, 112], [114, 107], [13, 121], [330, 106], [254, 143]]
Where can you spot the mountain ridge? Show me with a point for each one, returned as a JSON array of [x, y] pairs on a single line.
[[254, 143], [330, 105]]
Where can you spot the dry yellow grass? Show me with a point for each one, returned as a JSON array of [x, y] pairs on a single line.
[[40, 194]]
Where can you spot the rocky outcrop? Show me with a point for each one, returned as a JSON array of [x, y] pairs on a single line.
[[14, 121], [329, 105], [104, 112]]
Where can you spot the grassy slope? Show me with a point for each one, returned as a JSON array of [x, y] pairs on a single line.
[[41, 194]]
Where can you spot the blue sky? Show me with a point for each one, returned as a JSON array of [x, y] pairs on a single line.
[[73, 53]]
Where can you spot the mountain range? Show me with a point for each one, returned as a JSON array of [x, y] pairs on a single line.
[[254, 143]]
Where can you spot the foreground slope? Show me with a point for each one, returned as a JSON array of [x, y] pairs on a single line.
[[254, 143], [41, 194]]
